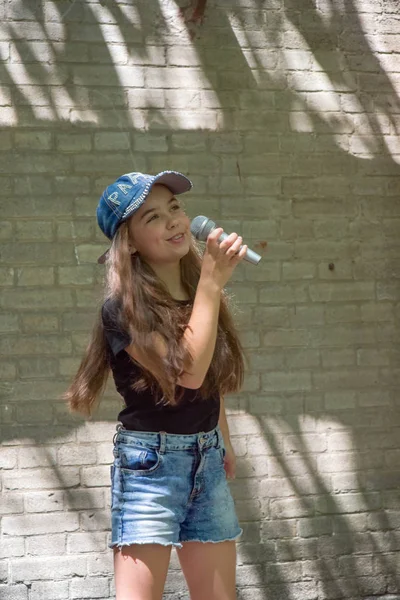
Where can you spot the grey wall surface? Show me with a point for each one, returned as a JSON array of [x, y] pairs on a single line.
[[285, 114]]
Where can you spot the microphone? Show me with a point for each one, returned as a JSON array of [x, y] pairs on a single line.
[[201, 227]]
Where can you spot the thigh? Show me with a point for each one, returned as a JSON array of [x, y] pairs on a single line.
[[209, 569], [140, 571]]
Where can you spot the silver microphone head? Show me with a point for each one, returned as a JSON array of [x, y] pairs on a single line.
[[201, 227]]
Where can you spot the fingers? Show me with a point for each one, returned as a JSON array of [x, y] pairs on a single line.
[[225, 244], [235, 248], [230, 246], [215, 234], [233, 245], [242, 252]]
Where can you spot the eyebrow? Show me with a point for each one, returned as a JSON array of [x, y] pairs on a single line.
[[146, 212]]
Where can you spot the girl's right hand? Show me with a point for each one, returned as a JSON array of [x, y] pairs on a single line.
[[220, 259]]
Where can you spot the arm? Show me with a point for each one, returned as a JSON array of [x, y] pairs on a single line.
[[219, 261], [230, 458], [223, 423], [200, 336]]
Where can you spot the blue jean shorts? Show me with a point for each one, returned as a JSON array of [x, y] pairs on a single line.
[[169, 488]]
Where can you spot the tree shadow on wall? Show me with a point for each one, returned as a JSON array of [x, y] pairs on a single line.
[[285, 155]]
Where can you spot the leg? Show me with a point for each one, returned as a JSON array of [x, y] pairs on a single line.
[[209, 569], [140, 571]]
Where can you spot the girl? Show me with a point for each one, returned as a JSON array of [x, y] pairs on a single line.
[[165, 331]]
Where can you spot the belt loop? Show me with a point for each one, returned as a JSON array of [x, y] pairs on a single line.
[[163, 441], [118, 429]]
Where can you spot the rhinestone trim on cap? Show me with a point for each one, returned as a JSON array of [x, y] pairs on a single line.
[[138, 201]]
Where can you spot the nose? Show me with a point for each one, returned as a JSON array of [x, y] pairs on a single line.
[[173, 222]]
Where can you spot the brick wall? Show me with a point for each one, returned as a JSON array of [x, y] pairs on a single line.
[[285, 114]]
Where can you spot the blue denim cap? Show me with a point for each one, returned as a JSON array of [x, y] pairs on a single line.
[[121, 199]]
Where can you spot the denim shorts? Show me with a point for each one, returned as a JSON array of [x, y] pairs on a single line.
[[169, 488]]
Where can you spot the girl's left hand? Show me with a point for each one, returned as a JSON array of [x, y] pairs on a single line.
[[230, 462]]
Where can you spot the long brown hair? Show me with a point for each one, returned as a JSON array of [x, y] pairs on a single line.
[[145, 307]]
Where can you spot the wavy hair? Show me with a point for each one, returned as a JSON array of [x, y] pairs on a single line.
[[146, 306]]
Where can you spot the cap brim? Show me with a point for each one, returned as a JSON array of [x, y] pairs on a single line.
[[102, 259], [176, 182]]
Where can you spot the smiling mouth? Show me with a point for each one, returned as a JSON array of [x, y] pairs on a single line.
[[176, 237]]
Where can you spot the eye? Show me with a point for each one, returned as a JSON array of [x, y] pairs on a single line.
[[152, 217], [176, 207]]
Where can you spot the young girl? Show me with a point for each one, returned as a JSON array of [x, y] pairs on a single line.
[[165, 331]]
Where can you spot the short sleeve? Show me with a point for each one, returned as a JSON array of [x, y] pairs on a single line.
[[117, 336]]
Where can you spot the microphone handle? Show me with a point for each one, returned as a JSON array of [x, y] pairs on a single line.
[[251, 256]]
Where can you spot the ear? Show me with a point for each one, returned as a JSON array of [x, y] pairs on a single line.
[[132, 249]]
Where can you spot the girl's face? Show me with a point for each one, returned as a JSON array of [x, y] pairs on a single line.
[[155, 225]]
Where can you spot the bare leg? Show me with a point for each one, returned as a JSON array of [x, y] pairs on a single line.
[[140, 571], [209, 569]]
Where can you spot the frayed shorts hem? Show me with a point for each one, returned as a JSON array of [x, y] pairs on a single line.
[[118, 545], [230, 539]]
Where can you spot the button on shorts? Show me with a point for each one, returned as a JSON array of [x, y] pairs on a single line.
[[169, 488]]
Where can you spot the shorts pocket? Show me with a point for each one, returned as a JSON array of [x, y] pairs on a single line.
[[138, 460]]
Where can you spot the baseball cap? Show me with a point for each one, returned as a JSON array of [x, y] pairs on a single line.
[[121, 199]]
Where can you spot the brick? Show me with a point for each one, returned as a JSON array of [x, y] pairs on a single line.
[[38, 253], [349, 503], [286, 381], [76, 455], [6, 231], [86, 542], [30, 276], [8, 323], [111, 141], [95, 520], [96, 476], [57, 590], [38, 502], [266, 271], [150, 142], [29, 368], [14, 592], [40, 524], [11, 546], [337, 462], [11, 503], [36, 569], [37, 322], [22, 299], [78, 231], [113, 161], [35, 185], [73, 142], [288, 508], [12, 345], [42, 478], [33, 140], [285, 337], [8, 370], [45, 545], [298, 270], [129, 76], [77, 275], [89, 588], [374, 398], [81, 499], [346, 379]]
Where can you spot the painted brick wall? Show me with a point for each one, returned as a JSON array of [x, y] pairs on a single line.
[[285, 114]]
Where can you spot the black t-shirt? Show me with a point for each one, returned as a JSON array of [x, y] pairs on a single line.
[[192, 415]]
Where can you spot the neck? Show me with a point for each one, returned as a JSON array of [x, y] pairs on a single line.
[[170, 275]]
